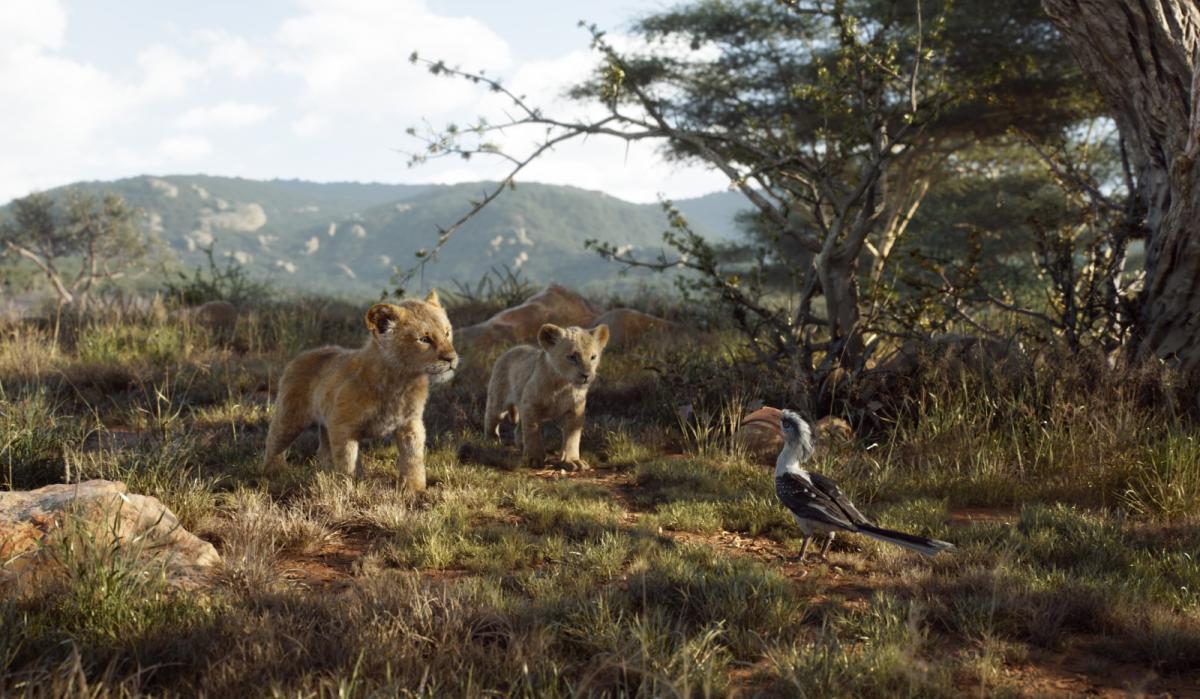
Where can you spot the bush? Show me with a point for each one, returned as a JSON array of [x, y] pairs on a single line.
[[230, 282]]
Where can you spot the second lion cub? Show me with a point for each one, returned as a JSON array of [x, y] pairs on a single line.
[[550, 382]]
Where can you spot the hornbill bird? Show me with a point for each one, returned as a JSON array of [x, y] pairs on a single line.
[[817, 503]]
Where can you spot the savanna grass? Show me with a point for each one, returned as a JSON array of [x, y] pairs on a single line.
[[498, 581]]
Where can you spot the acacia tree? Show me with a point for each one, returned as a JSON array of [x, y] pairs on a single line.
[[1145, 60], [833, 119], [1046, 229], [86, 241]]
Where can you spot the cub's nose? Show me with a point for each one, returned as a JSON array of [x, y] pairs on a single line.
[[451, 359]]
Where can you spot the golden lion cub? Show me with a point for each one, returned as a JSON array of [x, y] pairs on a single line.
[[370, 392], [532, 385]]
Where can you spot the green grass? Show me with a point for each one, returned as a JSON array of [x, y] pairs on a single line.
[[618, 582]]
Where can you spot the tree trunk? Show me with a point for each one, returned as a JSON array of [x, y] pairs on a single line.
[[838, 276], [1144, 56]]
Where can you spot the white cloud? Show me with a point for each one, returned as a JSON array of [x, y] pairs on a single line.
[[309, 125], [184, 147], [343, 50], [59, 113], [32, 25], [232, 54], [54, 107], [167, 72], [335, 75], [225, 114]]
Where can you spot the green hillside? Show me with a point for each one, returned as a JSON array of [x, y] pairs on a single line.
[[350, 236]]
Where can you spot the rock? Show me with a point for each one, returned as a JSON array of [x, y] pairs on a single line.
[[35, 523], [218, 316], [833, 428], [627, 326], [554, 304], [759, 435], [561, 306]]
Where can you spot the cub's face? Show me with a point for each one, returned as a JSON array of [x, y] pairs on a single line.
[[574, 352], [415, 336]]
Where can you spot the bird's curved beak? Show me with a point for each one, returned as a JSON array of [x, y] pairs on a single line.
[[765, 417]]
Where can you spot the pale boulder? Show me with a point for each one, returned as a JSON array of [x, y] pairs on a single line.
[[759, 436], [218, 316], [561, 306], [627, 326], [554, 304], [36, 525]]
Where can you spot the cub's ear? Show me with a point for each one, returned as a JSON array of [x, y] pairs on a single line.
[[600, 332], [432, 298], [382, 317], [549, 335]]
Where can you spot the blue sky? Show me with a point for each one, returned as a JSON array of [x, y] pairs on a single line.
[[314, 89]]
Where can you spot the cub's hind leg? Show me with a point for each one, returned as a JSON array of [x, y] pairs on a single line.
[[495, 402], [514, 416], [491, 417], [285, 427], [324, 455]]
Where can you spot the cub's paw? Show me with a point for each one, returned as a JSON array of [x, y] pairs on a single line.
[[534, 462], [574, 465]]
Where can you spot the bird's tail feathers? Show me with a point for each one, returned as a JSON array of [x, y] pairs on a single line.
[[920, 544]]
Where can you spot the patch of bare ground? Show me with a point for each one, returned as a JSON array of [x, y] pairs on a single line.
[[1077, 671], [620, 485], [966, 516], [332, 567]]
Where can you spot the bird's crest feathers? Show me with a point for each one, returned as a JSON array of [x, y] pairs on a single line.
[[797, 435]]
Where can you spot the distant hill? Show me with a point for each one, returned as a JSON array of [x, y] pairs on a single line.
[[350, 236], [716, 213]]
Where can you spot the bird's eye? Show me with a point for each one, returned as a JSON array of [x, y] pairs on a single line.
[[426, 340]]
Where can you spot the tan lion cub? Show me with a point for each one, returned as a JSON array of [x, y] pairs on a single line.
[[370, 392], [532, 385]]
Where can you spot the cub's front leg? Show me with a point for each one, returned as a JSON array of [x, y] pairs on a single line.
[[343, 453], [533, 453], [572, 428], [410, 442]]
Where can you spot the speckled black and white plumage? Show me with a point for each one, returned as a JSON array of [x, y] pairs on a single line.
[[819, 505]]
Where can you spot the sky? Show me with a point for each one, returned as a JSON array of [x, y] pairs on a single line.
[[312, 89]]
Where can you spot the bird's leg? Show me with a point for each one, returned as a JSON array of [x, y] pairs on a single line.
[[828, 542], [804, 548]]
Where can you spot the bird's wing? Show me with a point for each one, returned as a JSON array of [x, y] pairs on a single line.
[[834, 493], [809, 502]]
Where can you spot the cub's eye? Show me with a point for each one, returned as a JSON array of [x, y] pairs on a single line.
[[575, 357], [593, 356], [426, 340]]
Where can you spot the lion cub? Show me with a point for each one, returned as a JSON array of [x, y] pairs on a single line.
[[370, 392], [533, 385]]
